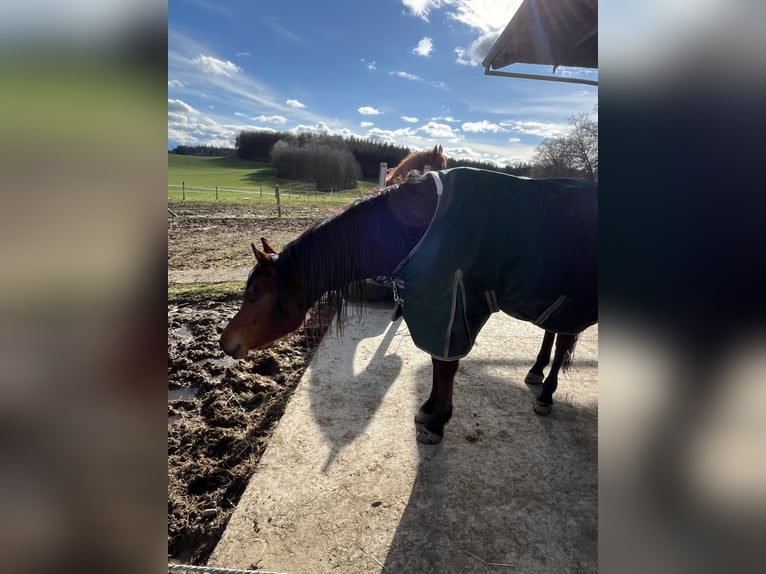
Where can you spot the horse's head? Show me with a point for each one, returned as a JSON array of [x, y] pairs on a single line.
[[434, 160], [266, 313], [438, 160]]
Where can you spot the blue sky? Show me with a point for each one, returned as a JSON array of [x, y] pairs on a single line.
[[402, 71]]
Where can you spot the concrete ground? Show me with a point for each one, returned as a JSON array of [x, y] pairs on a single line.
[[344, 486]]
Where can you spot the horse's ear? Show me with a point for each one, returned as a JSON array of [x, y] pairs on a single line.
[[435, 150], [440, 148], [260, 256], [267, 246]]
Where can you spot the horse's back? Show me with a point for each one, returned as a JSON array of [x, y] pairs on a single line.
[[499, 242]]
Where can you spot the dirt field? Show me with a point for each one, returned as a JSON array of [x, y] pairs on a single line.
[[221, 411]]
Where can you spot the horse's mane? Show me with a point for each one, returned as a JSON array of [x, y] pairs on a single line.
[[417, 161], [366, 240]]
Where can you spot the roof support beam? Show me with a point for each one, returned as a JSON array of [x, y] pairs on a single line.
[[488, 72]]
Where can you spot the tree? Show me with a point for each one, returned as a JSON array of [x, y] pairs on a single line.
[[585, 144], [572, 155], [319, 159], [555, 157]]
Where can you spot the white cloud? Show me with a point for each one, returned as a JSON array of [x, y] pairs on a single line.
[[405, 75], [479, 48], [370, 65], [187, 126], [421, 8], [445, 119], [463, 58], [179, 106], [175, 84], [346, 133], [366, 124], [321, 128], [483, 15], [410, 119], [578, 73], [240, 115], [276, 25], [535, 128], [239, 91], [424, 47], [317, 128], [514, 140], [215, 66], [436, 130], [240, 54], [270, 119], [390, 136], [481, 127], [294, 103], [368, 111], [493, 154]]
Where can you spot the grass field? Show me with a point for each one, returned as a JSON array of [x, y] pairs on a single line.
[[253, 182]]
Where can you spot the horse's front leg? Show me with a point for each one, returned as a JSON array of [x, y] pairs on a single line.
[[437, 410]]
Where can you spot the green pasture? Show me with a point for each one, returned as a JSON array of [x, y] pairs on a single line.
[[204, 291], [231, 173]]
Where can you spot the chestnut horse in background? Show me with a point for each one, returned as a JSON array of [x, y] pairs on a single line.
[[370, 239], [433, 159]]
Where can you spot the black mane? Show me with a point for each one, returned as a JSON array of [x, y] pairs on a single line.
[[366, 240]]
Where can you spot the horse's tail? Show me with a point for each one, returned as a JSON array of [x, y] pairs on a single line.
[[569, 354]]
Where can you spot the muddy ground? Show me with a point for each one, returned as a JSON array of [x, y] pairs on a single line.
[[221, 412]]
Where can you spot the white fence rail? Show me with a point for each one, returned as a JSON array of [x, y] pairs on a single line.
[[268, 191]]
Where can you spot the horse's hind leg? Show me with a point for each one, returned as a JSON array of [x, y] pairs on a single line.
[[536, 374], [563, 357], [437, 410]]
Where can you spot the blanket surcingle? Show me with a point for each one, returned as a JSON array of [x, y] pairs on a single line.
[[499, 242]]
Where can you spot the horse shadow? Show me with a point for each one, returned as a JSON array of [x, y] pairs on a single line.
[[360, 393]]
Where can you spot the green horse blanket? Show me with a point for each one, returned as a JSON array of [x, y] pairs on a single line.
[[498, 242]]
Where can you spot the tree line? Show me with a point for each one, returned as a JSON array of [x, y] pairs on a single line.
[[205, 150], [335, 163]]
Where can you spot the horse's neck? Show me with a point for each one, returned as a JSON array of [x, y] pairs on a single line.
[[367, 240]]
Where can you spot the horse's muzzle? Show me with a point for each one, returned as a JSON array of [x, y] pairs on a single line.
[[234, 349]]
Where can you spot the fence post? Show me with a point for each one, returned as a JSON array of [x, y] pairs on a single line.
[[382, 175], [279, 205], [216, 193], [183, 190], [261, 188]]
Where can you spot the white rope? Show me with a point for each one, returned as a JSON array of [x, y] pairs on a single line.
[[214, 570]]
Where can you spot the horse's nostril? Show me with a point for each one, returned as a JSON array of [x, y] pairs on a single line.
[[227, 348]]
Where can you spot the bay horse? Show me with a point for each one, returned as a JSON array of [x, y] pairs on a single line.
[[539, 266], [433, 159]]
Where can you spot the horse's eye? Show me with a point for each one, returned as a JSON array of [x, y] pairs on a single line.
[[251, 292]]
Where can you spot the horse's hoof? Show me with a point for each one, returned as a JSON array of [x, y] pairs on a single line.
[[534, 378], [542, 409], [426, 436], [421, 417]]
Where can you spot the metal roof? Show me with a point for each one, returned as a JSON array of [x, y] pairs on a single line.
[[548, 32]]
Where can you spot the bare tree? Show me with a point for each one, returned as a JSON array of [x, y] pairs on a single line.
[[555, 157], [572, 155], [585, 144]]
